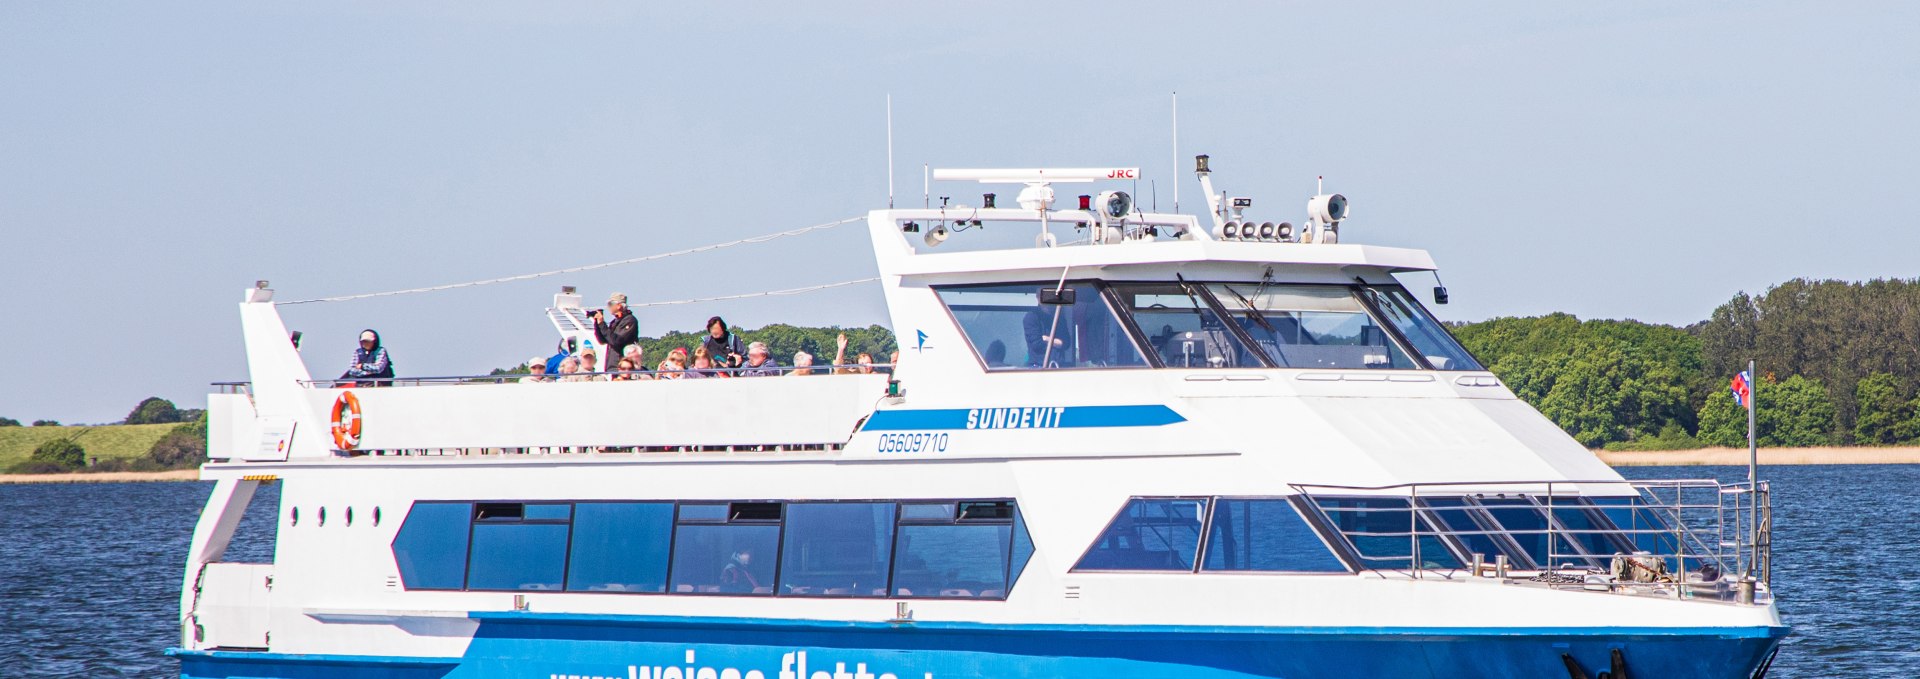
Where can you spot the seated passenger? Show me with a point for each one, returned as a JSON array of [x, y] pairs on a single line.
[[570, 370], [674, 367], [722, 345], [702, 364], [622, 371], [370, 360], [735, 576], [802, 364], [567, 346], [759, 362], [536, 371], [864, 363], [589, 360], [893, 361]]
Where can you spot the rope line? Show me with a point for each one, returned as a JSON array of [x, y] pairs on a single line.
[[769, 293], [590, 267]]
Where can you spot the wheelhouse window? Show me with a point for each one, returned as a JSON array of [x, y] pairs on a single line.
[[1420, 328], [1149, 535], [1182, 327], [1036, 326], [1311, 326]]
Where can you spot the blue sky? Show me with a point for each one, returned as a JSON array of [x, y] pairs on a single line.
[[1616, 160]]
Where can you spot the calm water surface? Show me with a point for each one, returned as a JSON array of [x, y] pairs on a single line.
[[90, 573]]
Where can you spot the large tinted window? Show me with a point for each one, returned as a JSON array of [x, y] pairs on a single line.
[[1012, 330], [1420, 329], [431, 548], [1311, 326], [1382, 529], [620, 546], [731, 555], [837, 549], [1180, 325], [1265, 535], [523, 550], [959, 551], [1471, 529], [1149, 535]]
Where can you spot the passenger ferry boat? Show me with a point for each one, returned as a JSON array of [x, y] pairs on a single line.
[[1117, 443]]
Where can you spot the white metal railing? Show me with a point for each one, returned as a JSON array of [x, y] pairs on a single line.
[[1665, 533]]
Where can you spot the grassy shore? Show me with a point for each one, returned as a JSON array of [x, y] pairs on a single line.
[[117, 441], [1768, 456], [103, 477]]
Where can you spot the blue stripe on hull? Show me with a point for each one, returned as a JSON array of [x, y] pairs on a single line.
[[543, 646]]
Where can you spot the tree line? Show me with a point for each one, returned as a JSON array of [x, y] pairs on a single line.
[[1838, 364], [182, 447]]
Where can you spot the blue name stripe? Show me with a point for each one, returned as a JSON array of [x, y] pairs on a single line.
[[1033, 417]]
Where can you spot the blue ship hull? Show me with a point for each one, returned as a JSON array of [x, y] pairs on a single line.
[[546, 646]]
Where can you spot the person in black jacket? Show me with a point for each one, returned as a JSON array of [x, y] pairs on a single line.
[[623, 330], [724, 346]]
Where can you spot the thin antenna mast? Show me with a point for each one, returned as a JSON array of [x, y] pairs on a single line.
[[889, 150], [1176, 151], [926, 185]]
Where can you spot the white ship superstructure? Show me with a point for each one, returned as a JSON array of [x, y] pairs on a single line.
[[1116, 443]]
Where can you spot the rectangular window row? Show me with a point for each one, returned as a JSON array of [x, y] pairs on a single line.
[[965, 549]]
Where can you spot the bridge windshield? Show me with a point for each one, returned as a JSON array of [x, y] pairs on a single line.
[[1094, 324], [1311, 326]]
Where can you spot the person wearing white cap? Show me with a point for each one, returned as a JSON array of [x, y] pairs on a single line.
[[617, 334], [370, 360], [536, 371]]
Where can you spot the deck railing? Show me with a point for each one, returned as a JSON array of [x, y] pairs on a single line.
[[1643, 533], [602, 376]]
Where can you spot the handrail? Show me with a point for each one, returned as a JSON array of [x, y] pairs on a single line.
[[1689, 530], [600, 376]]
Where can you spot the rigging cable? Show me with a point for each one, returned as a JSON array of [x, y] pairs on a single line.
[[636, 260]]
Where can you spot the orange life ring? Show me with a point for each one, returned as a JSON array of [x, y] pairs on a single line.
[[346, 421]]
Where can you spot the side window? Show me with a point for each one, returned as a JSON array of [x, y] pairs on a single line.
[[957, 550], [1180, 325], [1265, 535], [518, 546], [1149, 535], [431, 547], [726, 548], [620, 547], [1311, 326], [1011, 329], [837, 549], [1381, 531]]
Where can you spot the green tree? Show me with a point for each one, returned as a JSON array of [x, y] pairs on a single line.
[[45, 423], [1603, 381], [1908, 430], [9, 422], [62, 452], [1794, 412], [178, 450], [1882, 409], [154, 410]]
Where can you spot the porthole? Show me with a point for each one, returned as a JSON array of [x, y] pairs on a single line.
[[376, 516], [349, 517], [293, 517], [323, 518]]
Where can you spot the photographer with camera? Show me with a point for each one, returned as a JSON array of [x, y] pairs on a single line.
[[616, 335], [725, 347]]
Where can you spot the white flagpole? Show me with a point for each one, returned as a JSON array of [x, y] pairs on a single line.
[[1753, 467]]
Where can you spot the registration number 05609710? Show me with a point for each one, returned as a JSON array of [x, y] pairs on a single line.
[[920, 442]]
